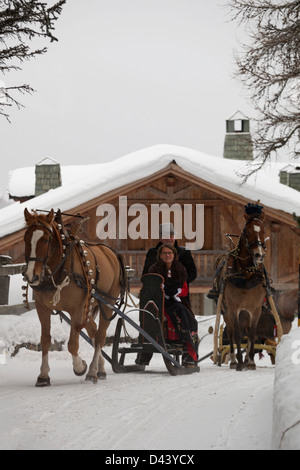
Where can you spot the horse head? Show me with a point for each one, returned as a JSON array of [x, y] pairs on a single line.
[[254, 237], [37, 238]]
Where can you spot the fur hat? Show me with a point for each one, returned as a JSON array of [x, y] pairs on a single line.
[[165, 230]]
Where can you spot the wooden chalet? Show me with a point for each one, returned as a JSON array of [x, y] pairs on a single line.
[[223, 214]]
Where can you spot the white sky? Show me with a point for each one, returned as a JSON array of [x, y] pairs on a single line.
[[126, 75]]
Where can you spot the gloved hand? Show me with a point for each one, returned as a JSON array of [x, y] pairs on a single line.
[[171, 288]]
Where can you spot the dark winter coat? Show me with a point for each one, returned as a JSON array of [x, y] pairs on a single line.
[[179, 312], [173, 283]]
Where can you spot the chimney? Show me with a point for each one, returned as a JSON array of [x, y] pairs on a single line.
[[290, 176], [238, 141], [47, 176]]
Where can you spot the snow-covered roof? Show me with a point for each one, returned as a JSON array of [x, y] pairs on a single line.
[[83, 183], [291, 168], [21, 182]]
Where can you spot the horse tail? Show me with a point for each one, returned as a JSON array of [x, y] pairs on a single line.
[[220, 263]]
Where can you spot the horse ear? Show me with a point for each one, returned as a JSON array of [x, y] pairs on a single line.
[[27, 215], [50, 216]]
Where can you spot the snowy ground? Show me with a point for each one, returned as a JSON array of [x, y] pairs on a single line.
[[215, 409]]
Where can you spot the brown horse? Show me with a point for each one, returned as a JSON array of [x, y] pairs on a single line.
[[64, 272], [243, 286]]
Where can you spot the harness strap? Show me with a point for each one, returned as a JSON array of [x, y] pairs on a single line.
[[32, 258], [77, 279]]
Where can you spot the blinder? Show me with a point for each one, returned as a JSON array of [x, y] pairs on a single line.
[[39, 259], [255, 243]]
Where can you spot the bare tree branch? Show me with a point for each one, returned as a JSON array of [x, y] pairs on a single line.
[[269, 68], [20, 22]]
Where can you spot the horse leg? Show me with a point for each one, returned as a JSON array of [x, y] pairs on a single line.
[[249, 360], [79, 365], [233, 361], [101, 367], [250, 347], [97, 369], [237, 338], [93, 369], [43, 379], [233, 331]]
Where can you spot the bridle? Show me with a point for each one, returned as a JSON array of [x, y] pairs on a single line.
[[255, 243], [36, 258], [50, 249]]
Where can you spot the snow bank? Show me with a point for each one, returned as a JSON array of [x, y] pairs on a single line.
[[286, 403], [26, 328]]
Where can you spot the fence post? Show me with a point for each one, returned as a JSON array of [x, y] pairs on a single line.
[[129, 275], [4, 281]]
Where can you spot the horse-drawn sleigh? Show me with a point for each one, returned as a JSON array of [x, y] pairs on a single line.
[[82, 278], [70, 275]]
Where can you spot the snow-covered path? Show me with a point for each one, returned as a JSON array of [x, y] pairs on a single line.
[[214, 409]]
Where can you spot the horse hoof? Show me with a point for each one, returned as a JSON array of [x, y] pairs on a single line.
[[251, 367], [233, 365], [79, 374], [91, 378], [101, 375], [43, 382], [239, 367]]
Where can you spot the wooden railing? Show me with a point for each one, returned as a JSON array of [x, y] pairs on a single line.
[[204, 261], [6, 271]]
